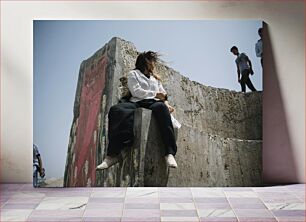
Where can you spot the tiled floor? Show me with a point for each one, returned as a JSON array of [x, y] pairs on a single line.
[[21, 202]]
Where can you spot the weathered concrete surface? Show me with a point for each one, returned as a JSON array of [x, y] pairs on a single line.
[[203, 159], [212, 160], [219, 143], [92, 84]]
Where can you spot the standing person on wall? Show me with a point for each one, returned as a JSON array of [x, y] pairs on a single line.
[[146, 91], [244, 67], [259, 46]]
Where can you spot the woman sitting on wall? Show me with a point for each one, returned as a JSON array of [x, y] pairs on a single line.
[[147, 92]]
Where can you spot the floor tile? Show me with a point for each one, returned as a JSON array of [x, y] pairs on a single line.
[[142, 213], [274, 189], [174, 189], [246, 200], [238, 189], [207, 192], [176, 200], [119, 193], [218, 219], [26, 194], [68, 194], [240, 194], [276, 195], [92, 205], [291, 219], [259, 213], [173, 193], [142, 192], [27, 187], [256, 219], [105, 200], [14, 214], [281, 200], [177, 206], [101, 219], [178, 219], [103, 213], [20, 206], [55, 219], [224, 205], [3, 200], [248, 206], [141, 206], [62, 203], [210, 200], [179, 213], [10, 186], [57, 213], [25, 200], [289, 213], [285, 206], [140, 219], [216, 213], [141, 200], [108, 189]]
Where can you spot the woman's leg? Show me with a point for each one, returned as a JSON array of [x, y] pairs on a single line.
[[162, 115], [120, 126]]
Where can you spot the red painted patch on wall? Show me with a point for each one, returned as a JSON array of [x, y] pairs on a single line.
[[90, 103]]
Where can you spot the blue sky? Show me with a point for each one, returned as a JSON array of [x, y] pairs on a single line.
[[198, 49]]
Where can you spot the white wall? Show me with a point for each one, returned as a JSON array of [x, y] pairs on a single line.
[[284, 89]]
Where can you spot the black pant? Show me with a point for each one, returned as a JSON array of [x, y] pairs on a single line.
[[121, 122], [245, 80]]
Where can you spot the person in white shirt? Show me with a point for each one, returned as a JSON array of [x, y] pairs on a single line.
[[259, 46], [146, 91], [244, 67]]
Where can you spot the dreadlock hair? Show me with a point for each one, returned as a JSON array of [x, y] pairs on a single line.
[[141, 63]]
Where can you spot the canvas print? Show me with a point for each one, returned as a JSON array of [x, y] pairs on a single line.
[[147, 103]]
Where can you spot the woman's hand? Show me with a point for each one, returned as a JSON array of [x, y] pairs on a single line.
[[161, 96], [171, 109]]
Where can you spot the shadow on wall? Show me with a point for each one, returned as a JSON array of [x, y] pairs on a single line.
[[278, 160]]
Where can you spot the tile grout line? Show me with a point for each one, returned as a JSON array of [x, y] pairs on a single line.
[[5, 202], [37, 204], [197, 210], [292, 192], [230, 205], [91, 191], [123, 207], [158, 196], [265, 205]]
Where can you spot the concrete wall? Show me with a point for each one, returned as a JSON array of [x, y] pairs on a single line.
[[284, 82], [81, 155], [203, 159], [219, 143]]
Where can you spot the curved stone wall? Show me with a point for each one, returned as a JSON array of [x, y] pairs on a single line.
[[219, 143]]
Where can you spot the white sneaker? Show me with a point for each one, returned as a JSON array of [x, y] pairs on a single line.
[[170, 161], [107, 162]]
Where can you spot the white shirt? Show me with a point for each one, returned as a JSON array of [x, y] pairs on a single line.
[[142, 87]]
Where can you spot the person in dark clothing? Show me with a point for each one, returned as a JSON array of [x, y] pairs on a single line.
[[146, 91], [244, 67], [259, 47]]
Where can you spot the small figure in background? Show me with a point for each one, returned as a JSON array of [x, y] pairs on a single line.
[[37, 166], [259, 46], [244, 67]]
